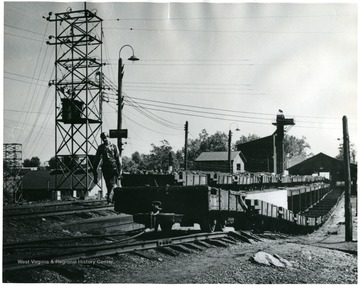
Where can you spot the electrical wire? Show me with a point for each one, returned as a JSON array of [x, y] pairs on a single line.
[[157, 30], [141, 110]]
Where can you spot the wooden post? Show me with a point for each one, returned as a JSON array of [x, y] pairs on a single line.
[[229, 153], [347, 179], [186, 144]]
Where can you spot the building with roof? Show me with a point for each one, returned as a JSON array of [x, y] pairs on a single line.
[[40, 185], [328, 167], [322, 163], [259, 154], [218, 161]]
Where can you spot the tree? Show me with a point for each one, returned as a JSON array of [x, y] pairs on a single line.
[[129, 166], [244, 139], [53, 163], [136, 157], [295, 147], [158, 160], [33, 162], [340, 156], [206, 143]]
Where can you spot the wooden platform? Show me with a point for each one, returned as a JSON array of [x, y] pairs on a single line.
[[108, 224]]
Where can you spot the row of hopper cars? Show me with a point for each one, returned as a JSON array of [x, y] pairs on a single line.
[[210, 207], [246, 180]]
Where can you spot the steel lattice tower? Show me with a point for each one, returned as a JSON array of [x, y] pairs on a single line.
[[78, 90], [12, 156]]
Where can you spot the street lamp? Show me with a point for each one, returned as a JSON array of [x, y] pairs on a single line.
[[120, 97], [229, 146]]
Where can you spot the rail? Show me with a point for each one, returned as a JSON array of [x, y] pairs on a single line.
[[117, 248]]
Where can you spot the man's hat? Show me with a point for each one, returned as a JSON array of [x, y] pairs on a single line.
[[104, 135]]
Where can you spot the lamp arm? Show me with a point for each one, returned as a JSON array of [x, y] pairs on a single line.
[[124, 47]]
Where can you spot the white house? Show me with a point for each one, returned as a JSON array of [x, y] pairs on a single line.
[[218, 161]]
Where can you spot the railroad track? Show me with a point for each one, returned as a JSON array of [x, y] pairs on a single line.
[[47, 213], [182, 243]]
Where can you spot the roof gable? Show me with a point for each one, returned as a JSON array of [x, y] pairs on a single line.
[[318, 163], [217, 156]]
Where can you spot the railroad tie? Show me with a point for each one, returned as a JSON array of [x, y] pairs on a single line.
[[168, 251], [71, 272], [203, 243], [228, 240], [193, 246], [217, 242], [181, 248], [239, 237], [145, 254], [250, 236]]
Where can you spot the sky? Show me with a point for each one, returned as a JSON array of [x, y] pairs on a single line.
[[219, 66]]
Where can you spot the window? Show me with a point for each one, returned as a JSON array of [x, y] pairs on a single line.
[[238, 167]]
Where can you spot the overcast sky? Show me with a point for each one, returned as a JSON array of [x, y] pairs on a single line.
[[218, 66]]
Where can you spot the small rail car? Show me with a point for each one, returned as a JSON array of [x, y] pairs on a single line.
[[210, 207], [213, 208]]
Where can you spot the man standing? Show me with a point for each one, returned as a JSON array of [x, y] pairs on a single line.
[[111, 165]]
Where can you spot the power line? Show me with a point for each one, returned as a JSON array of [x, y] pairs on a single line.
[[19, 80], [204, 112], [29, 112], [187, 83], [225, 31], [28, 77], [146, 113], [234, 18], [26, 38], [228, 110], [156, 131], [227, 119], [22, 29], [197, 92]]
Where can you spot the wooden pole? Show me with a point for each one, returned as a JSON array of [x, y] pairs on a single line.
[[120, 100], [347, 179], [186, 145], [229, 153]]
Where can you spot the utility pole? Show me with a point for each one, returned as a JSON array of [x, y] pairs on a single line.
[[229, 152], [347, 179], [120, 100], [121, 133], [186, 144], [170, 168]]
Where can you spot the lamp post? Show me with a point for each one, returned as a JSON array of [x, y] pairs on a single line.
[[120, 97], [229, 145]]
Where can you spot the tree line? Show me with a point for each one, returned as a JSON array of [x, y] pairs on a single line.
[[158, 158]]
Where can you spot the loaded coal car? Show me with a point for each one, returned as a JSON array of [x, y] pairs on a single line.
[[212, 208]]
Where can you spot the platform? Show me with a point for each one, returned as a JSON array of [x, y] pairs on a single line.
[[108, 224]]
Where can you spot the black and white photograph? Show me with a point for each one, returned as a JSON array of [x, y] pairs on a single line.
[[180, 142]]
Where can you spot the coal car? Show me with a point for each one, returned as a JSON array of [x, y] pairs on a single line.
[[212, 208]]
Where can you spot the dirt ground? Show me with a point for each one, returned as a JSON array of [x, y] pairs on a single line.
[[314, 259], [322, 257]]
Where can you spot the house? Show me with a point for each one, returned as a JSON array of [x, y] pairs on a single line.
[[218, 161], [40, 185]]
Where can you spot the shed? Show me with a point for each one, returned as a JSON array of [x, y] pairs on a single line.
[[322, 163], [218, 161], [40, 185], [259, 154]]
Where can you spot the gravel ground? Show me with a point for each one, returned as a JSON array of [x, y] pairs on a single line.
[[314, 259], [233, 265]]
